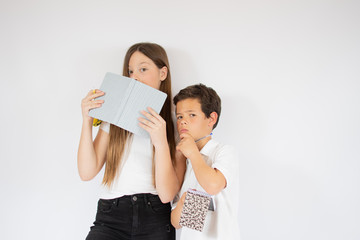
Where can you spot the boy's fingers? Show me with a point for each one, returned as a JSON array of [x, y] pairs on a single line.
[[178, 148], [183, 197], [185, 135]]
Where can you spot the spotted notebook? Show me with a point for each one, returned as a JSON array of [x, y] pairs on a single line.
[[196, 206]]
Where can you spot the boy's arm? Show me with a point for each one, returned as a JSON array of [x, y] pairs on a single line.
[[210, 179], [176, 212], [180, 168]]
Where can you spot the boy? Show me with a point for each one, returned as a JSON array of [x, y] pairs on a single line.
[[210, 167]]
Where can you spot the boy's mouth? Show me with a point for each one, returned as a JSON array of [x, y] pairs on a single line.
[[183, 130]]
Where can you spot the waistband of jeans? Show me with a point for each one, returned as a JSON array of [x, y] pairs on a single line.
[[141, 196], [145, 197]]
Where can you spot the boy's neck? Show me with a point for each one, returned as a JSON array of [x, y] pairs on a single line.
[[200, 143]]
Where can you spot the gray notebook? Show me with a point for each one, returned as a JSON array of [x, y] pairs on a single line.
[[124, 99]]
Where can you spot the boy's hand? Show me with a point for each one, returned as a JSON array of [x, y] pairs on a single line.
[[187, 145], [182, 199], [176, 213]]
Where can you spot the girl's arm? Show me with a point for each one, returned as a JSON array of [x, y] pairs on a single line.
[[166, 180], [91, 155], [180, 166]]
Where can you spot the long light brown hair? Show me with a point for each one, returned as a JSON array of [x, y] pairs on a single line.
[[120, 137]]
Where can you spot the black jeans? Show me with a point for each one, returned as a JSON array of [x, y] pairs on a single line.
[[139, 216]]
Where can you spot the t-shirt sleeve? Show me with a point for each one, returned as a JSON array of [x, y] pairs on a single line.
[[227, 163], [175, 201], [105, 126]]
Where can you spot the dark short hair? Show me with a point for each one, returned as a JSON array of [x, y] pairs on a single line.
[[208, 99]]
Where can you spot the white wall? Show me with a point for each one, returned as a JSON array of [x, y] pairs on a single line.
[[287, 71]]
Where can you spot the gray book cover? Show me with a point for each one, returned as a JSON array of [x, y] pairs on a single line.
[[124, 99]]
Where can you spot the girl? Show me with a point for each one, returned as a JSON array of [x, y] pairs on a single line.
[[139, 176]]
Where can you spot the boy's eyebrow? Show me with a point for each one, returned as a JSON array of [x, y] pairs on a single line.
[[186, 112]]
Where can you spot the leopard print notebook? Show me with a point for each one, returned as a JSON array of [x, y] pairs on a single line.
[[196, 206]]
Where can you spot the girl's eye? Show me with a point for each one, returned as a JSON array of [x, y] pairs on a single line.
[[179, 117], [130, 72], [192, 115], [143, 69]]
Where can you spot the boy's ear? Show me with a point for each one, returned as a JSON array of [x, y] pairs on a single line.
[[213, 119], [163, 73]]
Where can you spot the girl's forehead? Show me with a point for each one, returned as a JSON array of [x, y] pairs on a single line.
[[138, 58]]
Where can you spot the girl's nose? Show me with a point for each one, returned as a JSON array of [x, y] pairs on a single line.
[[134, 76]]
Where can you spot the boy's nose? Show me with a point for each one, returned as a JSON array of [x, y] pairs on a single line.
[[183, 122]]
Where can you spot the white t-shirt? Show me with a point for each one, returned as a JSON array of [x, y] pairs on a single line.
[[223, 222], [135, 173]]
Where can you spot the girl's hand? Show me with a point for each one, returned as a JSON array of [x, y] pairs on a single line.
[[89, 102], [155, 125], [187, 145]]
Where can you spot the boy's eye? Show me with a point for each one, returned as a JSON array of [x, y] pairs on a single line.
[[143, 69], [179, 117], [130, 72], [192, 115]]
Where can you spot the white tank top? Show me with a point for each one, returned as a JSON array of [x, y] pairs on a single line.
[[135, 173]]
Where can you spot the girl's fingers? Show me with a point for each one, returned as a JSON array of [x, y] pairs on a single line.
[[98, 101], [147, 128], [146, 122], [94, 94], [93, 104], [149, 116], [94, 91], [155, 114], [89, 101]]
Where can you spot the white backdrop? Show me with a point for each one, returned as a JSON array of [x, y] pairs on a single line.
[[287, 72]]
